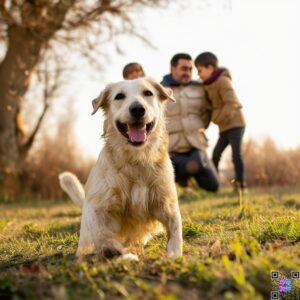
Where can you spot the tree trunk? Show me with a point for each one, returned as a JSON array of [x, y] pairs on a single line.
[[15, 71]]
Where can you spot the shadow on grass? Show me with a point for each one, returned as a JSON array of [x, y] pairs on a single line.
[[29, 245], [53, 259], [229, 203]]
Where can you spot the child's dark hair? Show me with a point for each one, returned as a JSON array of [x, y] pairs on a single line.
[[131, 67], [207, 59], [176, 57]]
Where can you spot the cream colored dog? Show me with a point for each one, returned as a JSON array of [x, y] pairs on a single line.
[[132, 186]]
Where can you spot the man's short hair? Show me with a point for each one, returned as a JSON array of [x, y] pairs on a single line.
[[131, 67], [176, 57], [207, 59]]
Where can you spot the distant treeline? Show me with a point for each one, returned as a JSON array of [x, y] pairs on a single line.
[[51, 155], [268, 165], [265, 163]]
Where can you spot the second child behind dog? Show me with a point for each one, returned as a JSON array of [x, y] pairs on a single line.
[[132, 71], [226, 112]]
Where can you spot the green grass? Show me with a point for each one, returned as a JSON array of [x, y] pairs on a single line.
[[230, 249]]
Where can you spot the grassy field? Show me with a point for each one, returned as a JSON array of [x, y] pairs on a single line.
[[230, 249]]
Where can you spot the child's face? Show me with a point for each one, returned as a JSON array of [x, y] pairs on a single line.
[[205, 72], [135, 74]]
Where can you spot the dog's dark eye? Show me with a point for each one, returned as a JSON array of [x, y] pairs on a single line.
[[120, 96], [147, 93]]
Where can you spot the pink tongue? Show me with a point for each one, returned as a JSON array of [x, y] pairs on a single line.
[[137, 135]]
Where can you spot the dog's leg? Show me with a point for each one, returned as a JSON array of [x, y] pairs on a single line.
[[173, 224], [174, 248], [85, 244], [103, 229]]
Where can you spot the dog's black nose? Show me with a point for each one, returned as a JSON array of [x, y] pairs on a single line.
[[137, 110]]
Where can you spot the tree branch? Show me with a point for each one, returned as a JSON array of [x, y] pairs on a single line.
[[67, 25], [48, 93], [26, 147]]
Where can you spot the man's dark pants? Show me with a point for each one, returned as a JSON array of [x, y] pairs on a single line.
[[195, 163]]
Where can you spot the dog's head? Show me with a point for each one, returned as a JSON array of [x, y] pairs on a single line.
[[134, 107]]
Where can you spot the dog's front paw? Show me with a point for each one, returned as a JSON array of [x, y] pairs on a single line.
[[174, 254], [83, 251], [129, 256], [109, 248], [174, 249]]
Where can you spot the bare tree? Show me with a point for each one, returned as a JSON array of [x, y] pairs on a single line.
[[31, 32]]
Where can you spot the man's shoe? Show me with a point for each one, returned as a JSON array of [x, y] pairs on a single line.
[[244, 191]]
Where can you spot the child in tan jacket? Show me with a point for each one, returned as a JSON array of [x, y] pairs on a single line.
[[226, 112]]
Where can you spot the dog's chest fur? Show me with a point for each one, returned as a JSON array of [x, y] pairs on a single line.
[[140, 197], [137, 202]]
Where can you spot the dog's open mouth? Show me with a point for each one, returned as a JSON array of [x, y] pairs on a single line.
[[136, 133]]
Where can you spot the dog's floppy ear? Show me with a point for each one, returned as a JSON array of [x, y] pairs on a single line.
[[164, 92], [101, 101]]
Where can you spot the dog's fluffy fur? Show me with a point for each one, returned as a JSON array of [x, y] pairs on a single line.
[[131, 189]]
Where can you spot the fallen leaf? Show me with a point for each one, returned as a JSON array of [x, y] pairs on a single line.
[[34, 268], [215, 249]]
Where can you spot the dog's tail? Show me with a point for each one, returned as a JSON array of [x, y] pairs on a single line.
[[72, 186]]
